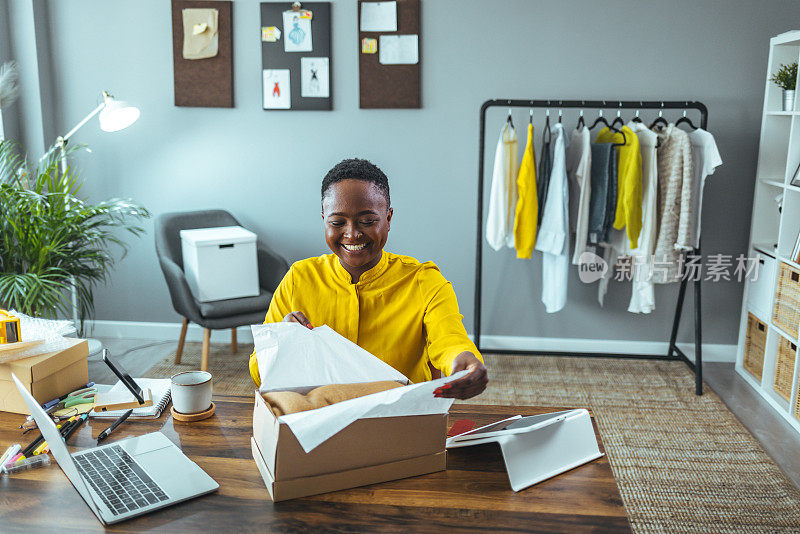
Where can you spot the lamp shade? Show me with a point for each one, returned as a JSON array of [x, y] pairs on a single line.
[[117, 115]]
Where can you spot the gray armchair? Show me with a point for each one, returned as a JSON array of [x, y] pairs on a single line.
[[221, 314]]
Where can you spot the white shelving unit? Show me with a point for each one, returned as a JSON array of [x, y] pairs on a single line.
[[773, 234]]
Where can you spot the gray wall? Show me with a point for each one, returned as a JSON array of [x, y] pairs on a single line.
[[266, 167]]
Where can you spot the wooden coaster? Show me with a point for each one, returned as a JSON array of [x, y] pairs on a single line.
[[192, 417]]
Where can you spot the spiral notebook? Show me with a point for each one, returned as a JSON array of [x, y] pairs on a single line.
[[160, 390]]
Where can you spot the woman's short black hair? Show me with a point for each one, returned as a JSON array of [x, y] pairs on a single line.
[[357, 169]]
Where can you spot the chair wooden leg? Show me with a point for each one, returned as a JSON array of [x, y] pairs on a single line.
[[179, 352], [206, 347], [234, 343]]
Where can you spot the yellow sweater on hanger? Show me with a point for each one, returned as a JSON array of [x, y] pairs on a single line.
[[527, 211], [629, 182]]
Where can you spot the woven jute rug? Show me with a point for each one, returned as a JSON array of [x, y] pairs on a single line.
[[683, 463]]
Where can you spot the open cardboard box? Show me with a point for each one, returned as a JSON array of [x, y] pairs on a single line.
[[384, 436], [45, 376]]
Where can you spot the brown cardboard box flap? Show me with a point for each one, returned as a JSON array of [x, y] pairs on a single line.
[[36, 368], [313, 485]]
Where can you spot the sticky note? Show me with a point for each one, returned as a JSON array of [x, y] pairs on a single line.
[[369, 46], [270, 34]]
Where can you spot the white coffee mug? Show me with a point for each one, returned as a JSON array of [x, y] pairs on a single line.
[[191, 391]]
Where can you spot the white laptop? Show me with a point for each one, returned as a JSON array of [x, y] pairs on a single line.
[[127, 478]]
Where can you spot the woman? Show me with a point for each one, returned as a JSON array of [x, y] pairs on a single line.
[[402, 311]]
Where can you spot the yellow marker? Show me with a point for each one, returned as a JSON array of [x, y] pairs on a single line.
[[9, 328], [39, 449]]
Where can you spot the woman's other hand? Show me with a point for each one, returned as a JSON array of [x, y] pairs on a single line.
[[467, 386], [298, 317]]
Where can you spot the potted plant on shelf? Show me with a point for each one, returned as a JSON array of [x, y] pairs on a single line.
[[786, 79], [51, 239]]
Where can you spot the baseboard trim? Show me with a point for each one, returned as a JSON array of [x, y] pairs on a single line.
[[712, 352]]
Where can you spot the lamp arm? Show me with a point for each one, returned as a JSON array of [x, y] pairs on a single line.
[[86, 119], [61, 141]]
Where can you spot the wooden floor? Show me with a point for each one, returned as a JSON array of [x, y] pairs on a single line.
[[775, 435]]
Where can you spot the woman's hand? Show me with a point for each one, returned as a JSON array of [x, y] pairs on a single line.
[[467, 386], [298, 317]]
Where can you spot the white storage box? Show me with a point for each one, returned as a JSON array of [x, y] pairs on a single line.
[[220, 263]]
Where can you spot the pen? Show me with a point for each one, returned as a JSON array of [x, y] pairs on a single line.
[[104, 434], [78, 422], [29, 463], [13, 459]]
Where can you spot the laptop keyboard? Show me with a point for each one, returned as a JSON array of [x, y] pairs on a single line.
[[119, 481]]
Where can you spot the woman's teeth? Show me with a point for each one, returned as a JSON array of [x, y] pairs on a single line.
[[354, 248]]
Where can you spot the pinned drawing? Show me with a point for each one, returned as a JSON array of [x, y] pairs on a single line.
[[277, 92], [314, 77], [297, 31]]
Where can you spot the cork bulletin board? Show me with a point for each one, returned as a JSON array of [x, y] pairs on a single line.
[[296, 56], [204, 82], [389, 85]]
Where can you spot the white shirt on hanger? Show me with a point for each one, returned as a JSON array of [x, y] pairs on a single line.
[[705, 158], [503, 196], [553, 237], [643, 296], [579, 165]]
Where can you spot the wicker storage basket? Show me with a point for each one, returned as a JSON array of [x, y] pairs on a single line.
[[797, 404], [786, 314], [755, 346], [784, 368]]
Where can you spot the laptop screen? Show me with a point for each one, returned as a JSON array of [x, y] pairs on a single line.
[[56, 444]]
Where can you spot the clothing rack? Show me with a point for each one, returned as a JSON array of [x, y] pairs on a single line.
[[673, 352]]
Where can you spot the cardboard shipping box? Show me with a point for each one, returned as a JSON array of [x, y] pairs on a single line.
[[46, 376], [367, 451], [389, 435]]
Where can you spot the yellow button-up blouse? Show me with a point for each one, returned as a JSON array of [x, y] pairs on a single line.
[[402, 311]]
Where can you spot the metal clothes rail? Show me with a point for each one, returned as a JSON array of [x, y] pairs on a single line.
[[673, 352]]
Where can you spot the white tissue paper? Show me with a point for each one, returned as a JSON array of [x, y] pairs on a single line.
[[292, 357]]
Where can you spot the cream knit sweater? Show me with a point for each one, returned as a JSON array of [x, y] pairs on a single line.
[[674, 157]]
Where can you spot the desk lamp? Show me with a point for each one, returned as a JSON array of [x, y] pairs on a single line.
[[115, 115]]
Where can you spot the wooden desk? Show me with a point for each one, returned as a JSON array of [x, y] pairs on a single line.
[[473, 492]]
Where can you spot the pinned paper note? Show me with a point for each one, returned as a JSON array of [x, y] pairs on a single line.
[[270, 34], [399, 49], [297, 32], [369, 46], [314, 77], [277, 93], [378, 16]]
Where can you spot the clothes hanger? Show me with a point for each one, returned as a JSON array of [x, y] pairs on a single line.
[[560, 111], [546, 133], [685, 119], [660, 120], [509, 120], [636, 117], [580, 119], [599, 120], [619, 118], [530, 116]]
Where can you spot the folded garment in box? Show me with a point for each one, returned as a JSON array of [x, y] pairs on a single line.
[[286, 402]]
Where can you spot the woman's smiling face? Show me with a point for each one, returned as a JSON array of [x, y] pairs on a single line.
[[356, 217]]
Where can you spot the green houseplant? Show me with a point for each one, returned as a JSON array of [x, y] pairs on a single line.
[[50, 238], [786, 79]]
